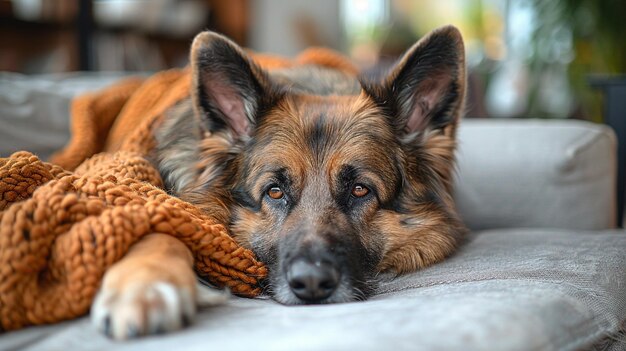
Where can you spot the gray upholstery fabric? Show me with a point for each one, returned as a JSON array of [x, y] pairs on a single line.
[[503, 290], [536, 173], [34, 110]]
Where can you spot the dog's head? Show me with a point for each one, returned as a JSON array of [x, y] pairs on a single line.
[[328, 190]]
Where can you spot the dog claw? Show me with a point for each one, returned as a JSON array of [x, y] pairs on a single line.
[[107, 326], [132, 331], [160, 329], [186, 320]]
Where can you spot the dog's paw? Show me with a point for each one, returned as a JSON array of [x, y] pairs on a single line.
[[142, 309]]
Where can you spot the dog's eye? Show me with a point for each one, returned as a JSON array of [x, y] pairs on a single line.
[[360, 190], [275, 193]]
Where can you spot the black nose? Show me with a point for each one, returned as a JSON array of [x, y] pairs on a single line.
[[312, 282]]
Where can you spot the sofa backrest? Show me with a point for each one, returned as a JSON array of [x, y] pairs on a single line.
[[536, 173]]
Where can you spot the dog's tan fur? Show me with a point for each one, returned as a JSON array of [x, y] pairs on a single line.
[[403, 153]]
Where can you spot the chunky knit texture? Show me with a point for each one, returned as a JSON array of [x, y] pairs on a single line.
[[62, 224]]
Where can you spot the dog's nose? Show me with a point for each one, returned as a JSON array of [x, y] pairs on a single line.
[[312, 282]]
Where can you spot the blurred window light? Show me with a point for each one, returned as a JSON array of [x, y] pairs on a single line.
[[522, 23], [363, 20], [360, 17], [527, 57]]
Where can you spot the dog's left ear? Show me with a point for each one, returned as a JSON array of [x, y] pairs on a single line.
[[425, 89], [228, 88]]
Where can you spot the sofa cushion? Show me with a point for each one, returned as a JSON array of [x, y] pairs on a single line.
[[503, 290], [536, 173]]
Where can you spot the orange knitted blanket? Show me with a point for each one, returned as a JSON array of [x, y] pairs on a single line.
[[62, 224]]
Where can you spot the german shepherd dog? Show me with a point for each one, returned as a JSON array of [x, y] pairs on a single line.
[[329, 178]]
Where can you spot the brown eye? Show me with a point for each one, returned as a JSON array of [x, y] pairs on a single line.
[[275, 193], [360, 190]]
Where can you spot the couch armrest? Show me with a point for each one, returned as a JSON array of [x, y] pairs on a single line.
[[34, 110], [536, 173]]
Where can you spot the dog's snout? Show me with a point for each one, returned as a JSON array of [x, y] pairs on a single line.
[[312, 282]]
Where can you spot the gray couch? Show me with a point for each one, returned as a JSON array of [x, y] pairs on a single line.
[[543, 269]]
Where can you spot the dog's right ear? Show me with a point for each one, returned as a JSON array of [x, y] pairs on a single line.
[[228, 88]]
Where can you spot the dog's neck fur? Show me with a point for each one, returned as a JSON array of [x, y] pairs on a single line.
[[176, 153]]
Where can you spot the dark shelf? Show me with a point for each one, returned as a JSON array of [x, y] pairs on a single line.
[[614, 89]]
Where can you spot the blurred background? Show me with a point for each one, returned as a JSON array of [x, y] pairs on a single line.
[[526, 58]]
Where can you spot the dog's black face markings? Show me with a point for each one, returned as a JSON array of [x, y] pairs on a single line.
[[349, 178], [279, 182], [273, 178], [327, 234], [318, 220], [289, 181]]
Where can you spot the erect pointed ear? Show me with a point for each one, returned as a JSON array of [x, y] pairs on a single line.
[[425, 89], [228, 87]]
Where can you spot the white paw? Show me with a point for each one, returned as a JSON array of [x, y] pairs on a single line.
[[142, 309]]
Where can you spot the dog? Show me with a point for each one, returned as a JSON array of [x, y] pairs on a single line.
[[329, 178]]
